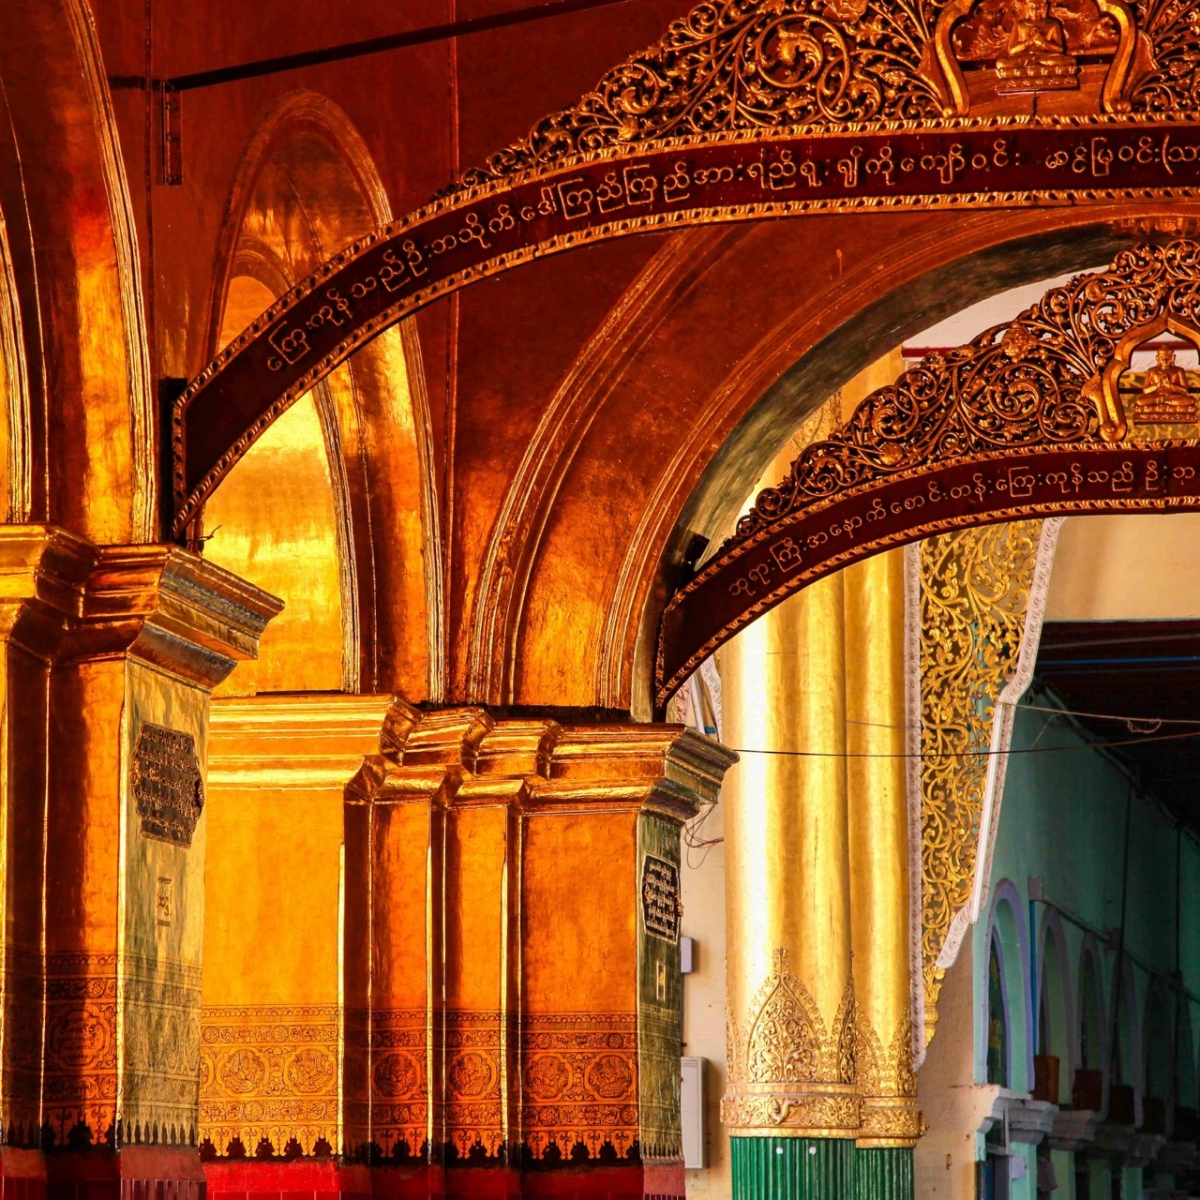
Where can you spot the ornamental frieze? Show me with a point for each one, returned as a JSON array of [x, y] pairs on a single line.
[[1036, 417]]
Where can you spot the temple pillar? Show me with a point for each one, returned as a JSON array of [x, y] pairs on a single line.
[[512, 974], [792, 1104], [271, 1022], [144, 634], [877, 805]]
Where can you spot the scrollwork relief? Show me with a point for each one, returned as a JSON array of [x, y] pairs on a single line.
[[747, 66], [974, 594], [787, 1067]]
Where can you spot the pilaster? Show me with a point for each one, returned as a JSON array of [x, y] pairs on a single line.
[[111, 654], [511, 960]]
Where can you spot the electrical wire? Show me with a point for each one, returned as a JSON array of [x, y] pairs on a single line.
[[929, 754]]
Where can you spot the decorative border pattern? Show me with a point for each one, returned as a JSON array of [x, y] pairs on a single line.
[[1024, 421], [159, 1039], [579, 1083], [609, 193], [270, 1072]]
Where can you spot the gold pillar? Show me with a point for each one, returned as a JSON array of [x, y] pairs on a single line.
[[271, 1020], [878, 821], [42, 573], [151, 631], [790, 989]]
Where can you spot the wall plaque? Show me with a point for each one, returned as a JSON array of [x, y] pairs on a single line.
[[167, 785], [661, 906]]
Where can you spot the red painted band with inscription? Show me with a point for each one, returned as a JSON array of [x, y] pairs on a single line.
[[453, 242]]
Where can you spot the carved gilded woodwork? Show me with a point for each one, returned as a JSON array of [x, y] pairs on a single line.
[[788, 1069], [742, 111], [1025, 420], [975, 587]]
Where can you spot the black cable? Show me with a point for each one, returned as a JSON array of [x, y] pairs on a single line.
[[395, 41]]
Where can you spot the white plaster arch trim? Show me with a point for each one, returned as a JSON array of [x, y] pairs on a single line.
[[1091, 949], [1005, 711], [1052, 926], [1131, 1003], [1015, 978], [1186, 1050], [1158, 992]]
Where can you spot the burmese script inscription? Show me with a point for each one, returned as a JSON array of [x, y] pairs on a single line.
[[661, 906], [454, 242], [167, 786], [818, 539]]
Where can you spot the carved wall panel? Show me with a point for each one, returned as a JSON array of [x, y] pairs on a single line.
[[270, 1071]]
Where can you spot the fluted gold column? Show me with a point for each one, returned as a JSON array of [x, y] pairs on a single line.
[[790, 990], [878, 820]]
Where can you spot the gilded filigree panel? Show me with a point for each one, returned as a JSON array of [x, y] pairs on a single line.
[[975, 590]]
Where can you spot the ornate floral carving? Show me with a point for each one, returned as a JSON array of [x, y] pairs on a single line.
[[1036, 381], [269, 1071], [786, 1066], [580, 1082], [734, 65], [974, 594]]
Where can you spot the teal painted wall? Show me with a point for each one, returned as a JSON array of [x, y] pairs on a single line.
[[1063, 818]]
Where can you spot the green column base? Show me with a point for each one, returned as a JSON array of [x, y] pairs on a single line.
[[784, 1168], [883, 1174]]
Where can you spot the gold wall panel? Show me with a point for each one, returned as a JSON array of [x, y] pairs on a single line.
[[272, 1018]]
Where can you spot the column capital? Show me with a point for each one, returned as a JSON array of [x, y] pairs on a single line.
[[171, 608], [468, 756], [62, 597]]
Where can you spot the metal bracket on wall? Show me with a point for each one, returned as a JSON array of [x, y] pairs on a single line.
[[170, 133]]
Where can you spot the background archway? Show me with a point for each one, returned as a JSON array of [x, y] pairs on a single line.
[[357, 556]]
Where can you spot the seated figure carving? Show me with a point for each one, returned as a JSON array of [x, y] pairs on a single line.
[[1036, 56], [1164, 398]]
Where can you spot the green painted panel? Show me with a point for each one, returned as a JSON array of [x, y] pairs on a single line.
[[769, 1168]]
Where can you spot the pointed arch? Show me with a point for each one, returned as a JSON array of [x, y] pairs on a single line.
[[363, 476]]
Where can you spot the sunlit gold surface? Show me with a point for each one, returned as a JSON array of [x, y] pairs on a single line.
[[479, 1013], [341, 512], [974, 593], [273, 521], [790, 994], [877, 803], [271, 1021]]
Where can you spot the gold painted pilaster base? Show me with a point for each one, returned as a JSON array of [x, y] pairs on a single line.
[[823, 1110]]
